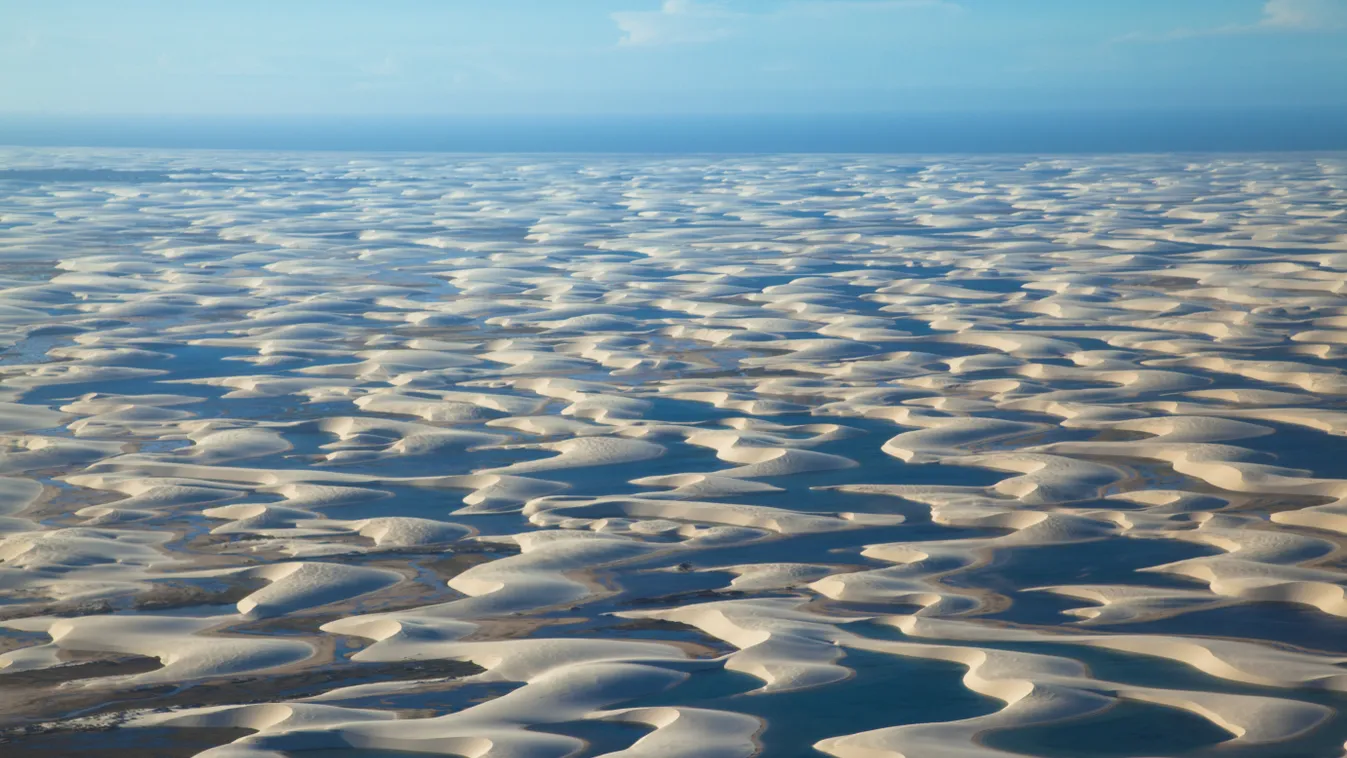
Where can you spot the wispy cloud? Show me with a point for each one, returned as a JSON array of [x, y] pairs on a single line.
[[1304, 15], [690, 22], [1278, 16], [841, 7], [389, 66], [676, 22]]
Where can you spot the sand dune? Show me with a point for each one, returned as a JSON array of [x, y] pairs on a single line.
[[522, 457]]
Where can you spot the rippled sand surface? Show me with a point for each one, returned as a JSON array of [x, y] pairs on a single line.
[[532, 457]]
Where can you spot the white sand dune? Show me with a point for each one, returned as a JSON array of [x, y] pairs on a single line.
[[535, 456]]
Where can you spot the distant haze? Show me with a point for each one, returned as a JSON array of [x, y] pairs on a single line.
[[1169, 130]]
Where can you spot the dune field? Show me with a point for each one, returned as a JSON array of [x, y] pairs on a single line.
[[362, 456]]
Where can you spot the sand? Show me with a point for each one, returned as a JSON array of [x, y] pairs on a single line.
[[535, 457]]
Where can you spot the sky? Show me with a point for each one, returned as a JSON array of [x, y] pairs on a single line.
[[630, 57]]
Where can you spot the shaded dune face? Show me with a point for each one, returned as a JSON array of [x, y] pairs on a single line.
[[515, 457]]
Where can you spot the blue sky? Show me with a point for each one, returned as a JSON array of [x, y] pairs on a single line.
[[140, 57]]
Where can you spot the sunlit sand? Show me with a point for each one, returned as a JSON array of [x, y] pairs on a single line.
[[536, 457]]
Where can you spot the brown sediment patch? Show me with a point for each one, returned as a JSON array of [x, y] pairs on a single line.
[[461, 560], [1014, 442], [513, 628], [37, 703], [291, 624], [1119, 435], [311, 623], [157, 742], [81, 666], [161, 596], [173, 595], [1276, 503], [1166, 283], [62, 609], [650, 624], [59, 503], [486, 693], [702, 646], [208, 540], [11, 639], [678, 598], [245, 548]]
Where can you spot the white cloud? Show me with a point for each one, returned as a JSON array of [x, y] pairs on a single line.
[[1278, 16], [838, 7], [1306, 15], [691, 22], [389, 66], [676, 22]]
